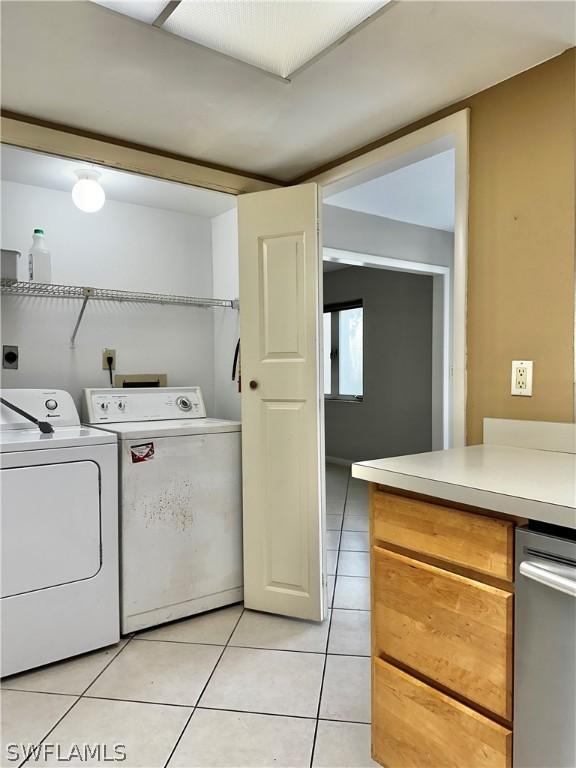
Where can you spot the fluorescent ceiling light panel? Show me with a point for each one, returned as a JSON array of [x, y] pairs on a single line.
[[143, 10], [279, 36]]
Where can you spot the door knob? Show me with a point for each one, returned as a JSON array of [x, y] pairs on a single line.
[[253, 384]]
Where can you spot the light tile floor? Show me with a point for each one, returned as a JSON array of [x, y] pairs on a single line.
[[232, 688]]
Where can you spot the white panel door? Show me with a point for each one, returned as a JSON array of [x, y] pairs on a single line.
[[282, 402]]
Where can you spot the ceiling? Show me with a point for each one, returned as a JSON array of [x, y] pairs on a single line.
[[421, 193], [50, 172], [88, 67], [279, 37]]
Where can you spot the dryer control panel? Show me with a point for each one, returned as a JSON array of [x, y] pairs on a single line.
[[53, 405], [101, 406]]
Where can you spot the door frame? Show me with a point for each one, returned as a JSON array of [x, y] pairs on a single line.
[[60, 141], [451, 132]]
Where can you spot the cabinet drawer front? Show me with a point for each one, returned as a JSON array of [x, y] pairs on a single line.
[[415, 725], [450, 629], [482, 543]]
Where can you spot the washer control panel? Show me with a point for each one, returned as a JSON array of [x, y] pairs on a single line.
[[184, 403], [142, 404]]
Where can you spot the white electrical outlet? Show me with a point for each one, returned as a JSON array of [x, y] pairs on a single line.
[[522, 378], [106, 353]]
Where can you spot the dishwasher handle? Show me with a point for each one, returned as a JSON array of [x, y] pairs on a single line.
[[547, 577]]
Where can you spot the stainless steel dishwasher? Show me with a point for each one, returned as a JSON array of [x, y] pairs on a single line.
[[545, 650]]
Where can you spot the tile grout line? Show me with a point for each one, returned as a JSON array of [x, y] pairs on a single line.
[[280, 714], [44, 693], [87, 695], [215, 709], [126, 644], [350, 576], [79, 698], [195, 707], [338, 555], [343, 549], [249, 647], [329, 628], [43, 739]]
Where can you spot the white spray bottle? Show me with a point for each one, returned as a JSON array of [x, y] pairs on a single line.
[[39, 262]]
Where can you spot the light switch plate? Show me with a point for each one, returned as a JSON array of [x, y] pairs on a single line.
[[521, 383]]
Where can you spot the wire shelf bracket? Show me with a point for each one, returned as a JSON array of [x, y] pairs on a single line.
[[80, 316], [85, 293]]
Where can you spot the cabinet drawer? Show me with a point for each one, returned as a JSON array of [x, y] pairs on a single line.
[[450, 629], [415, 725], [484, 544]]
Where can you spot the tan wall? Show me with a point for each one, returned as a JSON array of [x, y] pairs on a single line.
[[521, 240], [522, 244]]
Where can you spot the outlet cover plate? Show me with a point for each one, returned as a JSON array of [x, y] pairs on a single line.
[[108, 353], [521, 383], [10, 356]]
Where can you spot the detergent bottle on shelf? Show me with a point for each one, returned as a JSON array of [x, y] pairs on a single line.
[[39, 263]]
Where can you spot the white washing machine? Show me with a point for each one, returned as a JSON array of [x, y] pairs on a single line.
[[180, 502], [59, 527]]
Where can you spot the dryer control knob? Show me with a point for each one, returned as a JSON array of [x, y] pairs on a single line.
[[51, 405], [183, 403]]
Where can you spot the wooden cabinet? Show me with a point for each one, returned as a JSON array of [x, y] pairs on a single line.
[[478, 542], [442, 634], [447, 627], [416, 726]]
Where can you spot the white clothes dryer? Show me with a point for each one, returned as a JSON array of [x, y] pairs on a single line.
[[59, 532]]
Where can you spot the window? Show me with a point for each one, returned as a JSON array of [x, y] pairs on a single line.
[[343, 351]]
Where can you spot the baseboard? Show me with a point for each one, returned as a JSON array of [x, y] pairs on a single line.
[[341, 462]]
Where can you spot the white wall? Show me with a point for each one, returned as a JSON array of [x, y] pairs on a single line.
[[366, 233], [123, 246], [227, 322]]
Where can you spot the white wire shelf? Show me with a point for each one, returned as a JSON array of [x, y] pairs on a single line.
[[51, 291]]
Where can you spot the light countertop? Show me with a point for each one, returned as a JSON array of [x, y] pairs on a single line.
[[536, 484]]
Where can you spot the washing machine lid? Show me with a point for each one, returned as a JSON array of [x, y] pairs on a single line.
[[137, 430], [62, 437]]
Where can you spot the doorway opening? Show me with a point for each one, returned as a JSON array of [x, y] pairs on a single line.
[[388, 337], [388, 259]]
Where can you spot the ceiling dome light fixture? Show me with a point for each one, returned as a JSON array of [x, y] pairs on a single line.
[[87, 193]]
